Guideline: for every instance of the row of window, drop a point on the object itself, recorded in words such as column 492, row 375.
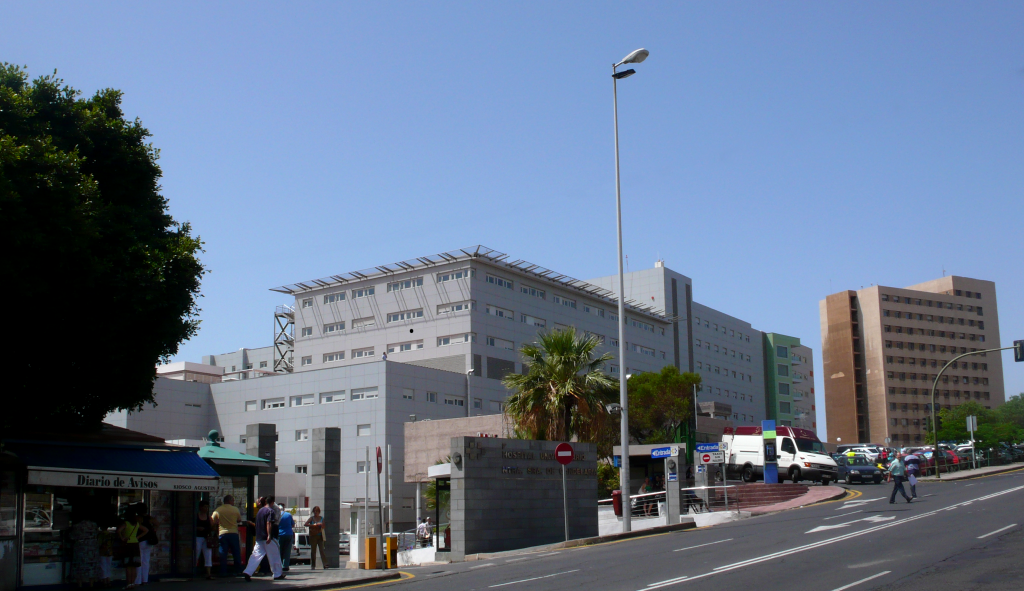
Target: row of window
column 935, row 363
column 724, row 330
column 943, row 393
column 725, row 371
column 927, row 347
column 364, row 292
column 913, row 407
column 310, row 399
column 723, row 350
column 933, row 333
column 937, row 319
column 903, row 376
column 919, row 302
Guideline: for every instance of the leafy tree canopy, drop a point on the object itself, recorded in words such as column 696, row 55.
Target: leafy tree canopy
column 564, row 391
column 659, row 402
column 102, row 282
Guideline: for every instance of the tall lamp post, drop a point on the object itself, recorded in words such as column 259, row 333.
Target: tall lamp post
column 634, row 58
column 1018, row 348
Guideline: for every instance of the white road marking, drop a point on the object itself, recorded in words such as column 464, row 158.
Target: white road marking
column 872, row 519
column 818, row 544
column 516, row 559
column 548, row 554
column 965, row 486
column 576, row 570
column 481, row 565
column 855, row 583
column 856, row 503
column 997, row 531
column 844, row 515
column 702, row 545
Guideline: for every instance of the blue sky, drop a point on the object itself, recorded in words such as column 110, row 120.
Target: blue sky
column 773, row 152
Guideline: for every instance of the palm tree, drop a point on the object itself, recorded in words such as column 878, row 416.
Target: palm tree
column 564, row 391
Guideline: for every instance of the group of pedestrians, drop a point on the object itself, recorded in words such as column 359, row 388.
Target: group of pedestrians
column 904, row 468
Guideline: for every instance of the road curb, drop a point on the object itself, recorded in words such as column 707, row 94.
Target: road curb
column 348, row 583
column 661, row 529
column 932, row 479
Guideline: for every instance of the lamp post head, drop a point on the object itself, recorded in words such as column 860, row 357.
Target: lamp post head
column 636, row 57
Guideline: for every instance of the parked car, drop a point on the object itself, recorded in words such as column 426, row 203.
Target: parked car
column 300, row 548
column 343, row 544
column 869, row 452
column 946, row 461
column 858, row 469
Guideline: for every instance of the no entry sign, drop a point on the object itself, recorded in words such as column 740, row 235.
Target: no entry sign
column 563, row 453
column 380, row 463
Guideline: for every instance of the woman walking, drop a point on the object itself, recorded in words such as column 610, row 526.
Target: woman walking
column 130, row 532
column 315, row 527
column 146, row 544
column 206, row 539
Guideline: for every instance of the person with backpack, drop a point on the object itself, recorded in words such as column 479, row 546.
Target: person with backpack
column 898, row 470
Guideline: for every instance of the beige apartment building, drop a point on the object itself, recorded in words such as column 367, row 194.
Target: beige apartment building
column 882, row 347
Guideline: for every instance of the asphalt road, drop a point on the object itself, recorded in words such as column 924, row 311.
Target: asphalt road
column 963, row 535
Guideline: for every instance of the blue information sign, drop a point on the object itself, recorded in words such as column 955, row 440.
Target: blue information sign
column 661, row 452
column 706, row 447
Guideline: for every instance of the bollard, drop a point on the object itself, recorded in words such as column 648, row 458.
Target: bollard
column 371, row 553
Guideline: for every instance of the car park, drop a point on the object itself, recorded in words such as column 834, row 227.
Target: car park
column 858, row 468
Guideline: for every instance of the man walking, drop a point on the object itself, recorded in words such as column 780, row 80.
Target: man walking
column 225, row 518
column 913, row 464
column 266, row 545
column 898, row 471
column 286, row 536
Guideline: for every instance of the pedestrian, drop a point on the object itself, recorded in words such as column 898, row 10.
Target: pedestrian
column 106, row 556
column 130, row 532
column 315, row 527
column 264, row 568
column 225, row 519
column 205, row 537
column 286, row 537
column 266, row 545
column 913, row 464
column 898, row 470
column 85, row 535
column 430, row 532
column 146, row 544
column 421, row 533
column 646, row 487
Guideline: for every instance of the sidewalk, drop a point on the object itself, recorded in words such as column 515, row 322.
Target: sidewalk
column 814, row 495
column 298, row 577
column 978, row 473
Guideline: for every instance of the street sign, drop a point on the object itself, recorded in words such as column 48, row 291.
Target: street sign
column 706, row 447
column 972, row 423
column 664, row 452
column 1018, row 350
column 563, row 454
column 712, row 457
column 380, row 463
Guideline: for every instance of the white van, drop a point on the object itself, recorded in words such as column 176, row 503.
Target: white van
column 800, row 454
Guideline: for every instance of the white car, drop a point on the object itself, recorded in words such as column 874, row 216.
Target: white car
column 869, row 452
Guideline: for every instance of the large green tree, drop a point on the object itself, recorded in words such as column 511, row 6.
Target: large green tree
column 101, row 282
column 659, row 403
column 563, row 393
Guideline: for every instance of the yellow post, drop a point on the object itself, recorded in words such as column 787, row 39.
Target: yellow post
column 392, row 551
column 371, row 553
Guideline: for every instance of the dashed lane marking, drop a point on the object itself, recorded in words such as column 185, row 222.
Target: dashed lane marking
column 855, row 583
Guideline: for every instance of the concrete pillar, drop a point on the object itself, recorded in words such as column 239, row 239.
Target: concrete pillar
column 261, row 441
column 326, row 476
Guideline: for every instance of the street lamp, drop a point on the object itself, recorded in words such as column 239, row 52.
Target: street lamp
column 634, row 58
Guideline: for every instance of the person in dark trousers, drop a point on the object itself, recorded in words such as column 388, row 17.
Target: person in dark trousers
column 286, row 536
column 225, row 519
column 898, row 470
column 913, row 464
column 146, row 544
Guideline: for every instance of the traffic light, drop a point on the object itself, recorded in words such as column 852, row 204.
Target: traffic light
column 1018, row 350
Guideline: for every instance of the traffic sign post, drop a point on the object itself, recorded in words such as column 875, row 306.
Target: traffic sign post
column 380, row 512
column 972, row 426
column 563, row 455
